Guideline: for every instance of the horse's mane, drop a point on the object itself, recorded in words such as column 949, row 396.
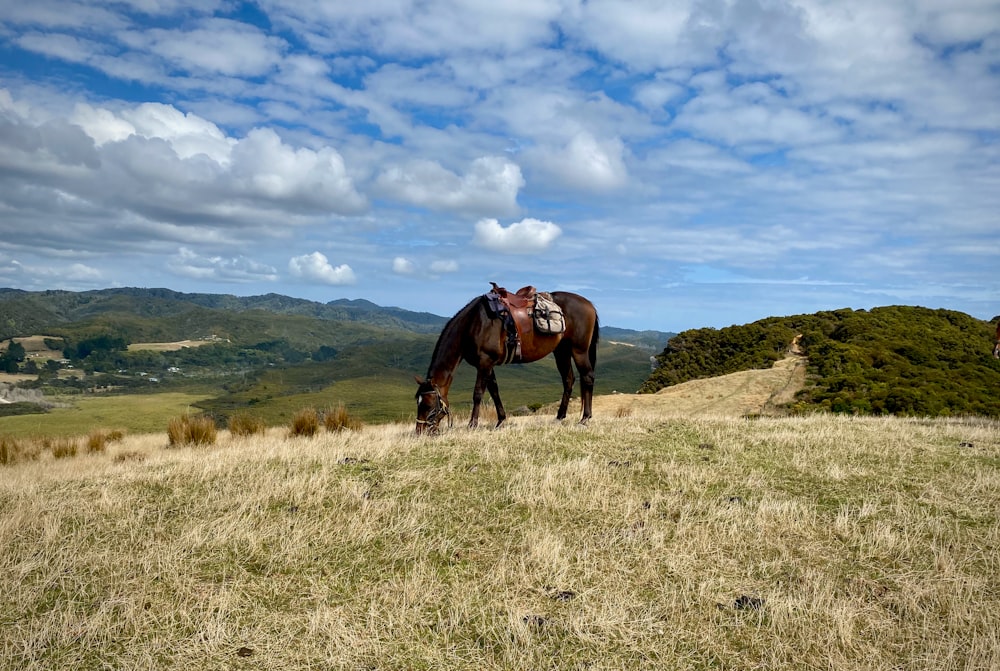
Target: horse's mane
column 452, row 333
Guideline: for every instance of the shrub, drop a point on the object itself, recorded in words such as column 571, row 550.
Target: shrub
column 338, row 419
column 245, row 424
column 305, row 423
column 188, row 430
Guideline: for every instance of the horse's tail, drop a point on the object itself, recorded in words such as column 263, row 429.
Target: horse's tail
column 593, row 342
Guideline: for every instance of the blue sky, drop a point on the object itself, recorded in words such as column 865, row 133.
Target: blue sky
column 682, row 164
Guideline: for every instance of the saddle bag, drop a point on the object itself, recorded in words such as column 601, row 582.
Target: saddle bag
column 548, row 316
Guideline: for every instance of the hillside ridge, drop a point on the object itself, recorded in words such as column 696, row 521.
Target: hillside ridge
column 900, row 360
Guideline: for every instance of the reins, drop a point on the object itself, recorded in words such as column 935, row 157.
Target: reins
column 435, row 415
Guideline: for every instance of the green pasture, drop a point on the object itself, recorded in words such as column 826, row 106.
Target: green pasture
column 375, row 383
column 79, row 415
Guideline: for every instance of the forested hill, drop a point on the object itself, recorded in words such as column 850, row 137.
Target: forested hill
column 890, row 360
column 32, row 311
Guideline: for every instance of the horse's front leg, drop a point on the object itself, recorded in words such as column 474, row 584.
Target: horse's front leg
column 494, row 389
column 477, row 395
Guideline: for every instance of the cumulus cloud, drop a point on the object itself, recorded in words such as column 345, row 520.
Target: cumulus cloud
column 528, row 236
column 316, row 267
column 265, row 167
column 490, row 185
column 403, row 266
column 154, row 170
column 188, row 263
column 586, row 163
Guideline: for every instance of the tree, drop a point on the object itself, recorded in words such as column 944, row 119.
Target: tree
column 15, row 351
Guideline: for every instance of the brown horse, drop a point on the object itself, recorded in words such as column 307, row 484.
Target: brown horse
column 476, row 334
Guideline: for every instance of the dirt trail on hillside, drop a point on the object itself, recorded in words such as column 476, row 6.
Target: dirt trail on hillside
column 750, row 392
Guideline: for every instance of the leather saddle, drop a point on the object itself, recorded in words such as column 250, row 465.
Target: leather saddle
column 515, row 310
column 522, row 298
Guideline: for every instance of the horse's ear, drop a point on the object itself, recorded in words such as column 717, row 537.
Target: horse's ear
column 419, row 380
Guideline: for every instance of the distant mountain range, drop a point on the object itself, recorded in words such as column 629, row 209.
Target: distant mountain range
column 30, row 312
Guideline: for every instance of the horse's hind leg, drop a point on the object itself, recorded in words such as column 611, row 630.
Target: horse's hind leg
column 586, row 368
column 564, row 363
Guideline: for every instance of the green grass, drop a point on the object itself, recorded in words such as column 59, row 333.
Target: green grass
column 635, row 543
column 135, row 413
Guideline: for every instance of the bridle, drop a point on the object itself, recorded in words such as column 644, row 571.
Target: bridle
column 437, row 413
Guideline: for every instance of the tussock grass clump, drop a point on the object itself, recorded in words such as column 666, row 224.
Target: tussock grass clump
column 623, row 411
column 191, row 430
column 98, row 440
column 63, row 448
column 305, row 423
column 245, row 424
column 13, row 450
column 338, row 418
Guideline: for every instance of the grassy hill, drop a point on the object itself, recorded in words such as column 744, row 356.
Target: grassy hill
column 891, row 360
column 637, row 543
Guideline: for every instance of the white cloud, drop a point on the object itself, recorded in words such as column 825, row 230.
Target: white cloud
column 165, row 165
column 489, row 187
column 406, row 267
column 421, row 28
column 528, row 236
column 585, row 163
column 65, row 47
column 752, row 113
column 444, row 266
column 50, row 275
column 403, row 266
column 188, row 134
column 101, row 125
column 188, row 263
column 655, row 94
column 217, row 46
column 316, row 267
column 263, row 166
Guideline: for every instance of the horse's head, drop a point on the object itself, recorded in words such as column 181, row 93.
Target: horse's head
column 432, row 407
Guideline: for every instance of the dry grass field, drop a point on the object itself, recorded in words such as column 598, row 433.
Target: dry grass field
column 644, row 541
